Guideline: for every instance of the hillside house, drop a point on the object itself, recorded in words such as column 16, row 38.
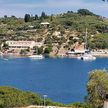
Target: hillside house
column 23, row 44
column 45, row 24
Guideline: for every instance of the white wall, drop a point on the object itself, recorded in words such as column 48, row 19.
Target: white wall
column 105, row 104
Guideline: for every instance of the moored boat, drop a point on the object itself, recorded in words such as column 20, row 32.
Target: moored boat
column 36, row 56
column 87, row 57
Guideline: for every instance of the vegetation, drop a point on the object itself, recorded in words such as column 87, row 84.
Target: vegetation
column 85, row 12
column 48, row 50
column 24, row 51
column 5, row 46
column 27, row 18
column 97, row 88
column 11, row 97
column 68, row 25
column 100, row 41
column 105, row 0
column 38, row 50
column 43, row 15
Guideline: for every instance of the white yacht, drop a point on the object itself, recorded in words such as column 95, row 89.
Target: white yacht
column 36, row 56
column 87, row 57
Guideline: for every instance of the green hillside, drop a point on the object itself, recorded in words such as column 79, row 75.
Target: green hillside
column 69, row 25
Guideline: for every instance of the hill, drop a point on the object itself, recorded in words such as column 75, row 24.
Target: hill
column 62, row 33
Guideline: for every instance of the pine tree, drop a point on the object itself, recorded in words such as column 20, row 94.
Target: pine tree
column 27, row 18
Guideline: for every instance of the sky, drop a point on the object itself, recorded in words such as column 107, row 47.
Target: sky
column 20, row 7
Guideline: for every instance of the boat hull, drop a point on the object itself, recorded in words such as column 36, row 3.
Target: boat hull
column 87, row 57
column 36, row 57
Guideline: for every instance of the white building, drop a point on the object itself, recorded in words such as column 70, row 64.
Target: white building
column 23, row 44
column 45, row 23
column 77, row 52
column 105, row 104
column 106, row 101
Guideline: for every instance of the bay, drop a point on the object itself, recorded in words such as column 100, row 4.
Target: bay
column 62, row 80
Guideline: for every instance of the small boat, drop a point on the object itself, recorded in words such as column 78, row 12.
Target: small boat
column 36, row 56
column 5, row 59
column 87, row 57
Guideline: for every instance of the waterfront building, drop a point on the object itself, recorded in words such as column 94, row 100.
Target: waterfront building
column 23, row 44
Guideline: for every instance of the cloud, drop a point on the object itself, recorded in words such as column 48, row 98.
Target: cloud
column 52, row 4
column 19, row 7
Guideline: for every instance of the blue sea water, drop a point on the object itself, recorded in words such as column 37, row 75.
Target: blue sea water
column 62, row 80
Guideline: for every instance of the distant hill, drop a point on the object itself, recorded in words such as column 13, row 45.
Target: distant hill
column 64, row 29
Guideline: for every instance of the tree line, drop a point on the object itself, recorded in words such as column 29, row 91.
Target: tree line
column 28, row 17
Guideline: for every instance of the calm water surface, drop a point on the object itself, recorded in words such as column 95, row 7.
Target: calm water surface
column 63, row 80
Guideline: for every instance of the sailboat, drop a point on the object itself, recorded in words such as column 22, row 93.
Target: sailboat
column 87, row 56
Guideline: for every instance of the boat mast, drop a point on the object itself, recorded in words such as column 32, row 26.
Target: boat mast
column 86, row 39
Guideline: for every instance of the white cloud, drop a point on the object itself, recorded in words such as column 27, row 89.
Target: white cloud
column 52, row 4
column 22, row 8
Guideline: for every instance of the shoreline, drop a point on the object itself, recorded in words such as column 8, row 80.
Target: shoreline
column 97, row 55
